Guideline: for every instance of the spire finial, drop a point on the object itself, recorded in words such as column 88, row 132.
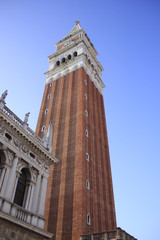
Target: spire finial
column 77, row 22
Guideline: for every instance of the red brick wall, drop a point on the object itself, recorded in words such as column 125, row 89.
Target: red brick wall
column 68, row 200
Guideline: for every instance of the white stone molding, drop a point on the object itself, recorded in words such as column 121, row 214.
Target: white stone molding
column 78, row 62
column 27, row 136
column 3, row 179
column 86, row 58
column 36, row 193
column 29, row 196
column 11, row 179
column 2, row 175
column 42, row 196
column 10, row 157
column 15, row 185
column 21, row 148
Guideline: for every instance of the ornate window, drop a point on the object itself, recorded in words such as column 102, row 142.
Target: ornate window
column 21, row 189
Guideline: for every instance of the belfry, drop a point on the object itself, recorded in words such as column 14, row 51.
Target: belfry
column 80, row 193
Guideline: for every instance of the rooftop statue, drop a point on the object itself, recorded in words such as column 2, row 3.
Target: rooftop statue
column 26, row 117
column 4, row 95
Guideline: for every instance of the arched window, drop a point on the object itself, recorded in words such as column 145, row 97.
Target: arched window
column 2, row 169
column 21, row 187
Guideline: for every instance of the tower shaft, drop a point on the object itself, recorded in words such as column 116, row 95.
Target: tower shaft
column 80, row 193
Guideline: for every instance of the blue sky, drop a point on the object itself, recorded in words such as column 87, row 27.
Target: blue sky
column 126, row 34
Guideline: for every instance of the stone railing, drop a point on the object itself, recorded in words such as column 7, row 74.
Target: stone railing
column 20, row 123
column 20, row 213
column 117, row 234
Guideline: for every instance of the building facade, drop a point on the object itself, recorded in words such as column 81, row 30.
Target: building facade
column 80, row 193
column 24, row 170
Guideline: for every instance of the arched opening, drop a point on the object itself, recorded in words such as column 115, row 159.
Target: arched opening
column 2, row 168
column 21, row 187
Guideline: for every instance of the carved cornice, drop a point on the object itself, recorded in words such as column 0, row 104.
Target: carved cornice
column 24, row 145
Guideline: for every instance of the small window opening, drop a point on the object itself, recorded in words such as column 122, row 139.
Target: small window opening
column 86, row 133
column 86, row 113
column 88, row 219
column 87, row 156
column 43, row 128
column 8, row 136
column 58, row 63
column 32, row 155
column 63, row 60
column 75, row 54
column 85, row 95
column 87, row 185
column 85, row 82
column 50, row 84
column 49, row 96
column 69, row 56
column 46, row 111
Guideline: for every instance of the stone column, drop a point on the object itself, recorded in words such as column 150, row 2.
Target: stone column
column 15, row 185
column 42, row 196
column 36, row 193
column 5, row 179
column 9, row 187
column 11, row 180
column 31, row 196
column 28, row 195
column 2, row 177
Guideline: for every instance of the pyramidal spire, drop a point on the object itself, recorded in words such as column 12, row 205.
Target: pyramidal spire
column 74, row 29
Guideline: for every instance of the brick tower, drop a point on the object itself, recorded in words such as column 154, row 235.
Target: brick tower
column 80, row 193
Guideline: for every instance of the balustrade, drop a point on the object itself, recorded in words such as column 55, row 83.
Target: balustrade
column 20, row 123
column 22, row 214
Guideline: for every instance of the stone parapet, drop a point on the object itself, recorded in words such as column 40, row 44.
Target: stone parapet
column 117, row 234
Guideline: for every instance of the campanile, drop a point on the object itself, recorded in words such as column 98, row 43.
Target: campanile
column 80, row 193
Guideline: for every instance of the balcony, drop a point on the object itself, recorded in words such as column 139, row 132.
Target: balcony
column 19, row 213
